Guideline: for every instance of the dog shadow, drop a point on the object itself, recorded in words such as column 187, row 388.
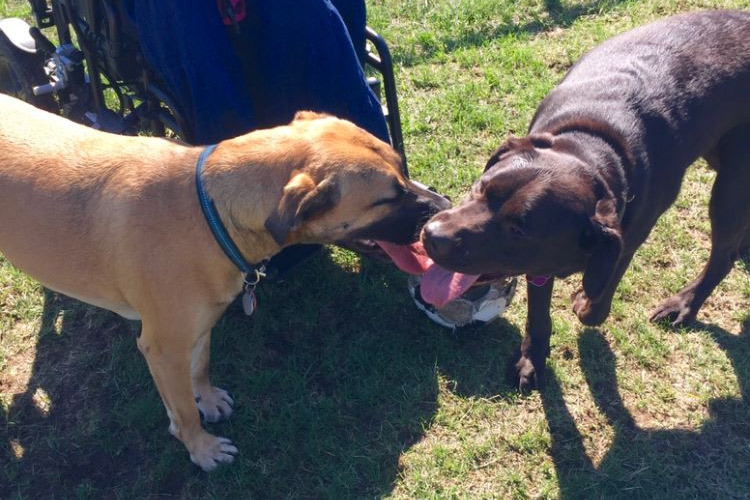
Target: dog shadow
column 61, row 399
column 744, row 260
column 334, row 377
column 642, row 463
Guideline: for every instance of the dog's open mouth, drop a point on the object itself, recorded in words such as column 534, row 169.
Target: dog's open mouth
column 439, row 285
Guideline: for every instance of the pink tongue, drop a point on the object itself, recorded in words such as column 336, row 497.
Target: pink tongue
column 439, row 286
column 409, row 258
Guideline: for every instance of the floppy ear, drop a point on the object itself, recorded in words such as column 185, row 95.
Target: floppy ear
column 504, row 148
column 528, row 143
column 541, row 140
column 605, row 243
column 302, row 200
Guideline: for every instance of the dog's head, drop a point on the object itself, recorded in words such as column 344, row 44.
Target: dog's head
column 537, row 209
column 349, row 188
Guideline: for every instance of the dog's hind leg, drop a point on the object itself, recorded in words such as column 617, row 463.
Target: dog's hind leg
column 729, row 210
column 214, row 403
column 167, row 343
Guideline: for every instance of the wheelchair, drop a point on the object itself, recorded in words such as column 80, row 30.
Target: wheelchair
column 98, row 53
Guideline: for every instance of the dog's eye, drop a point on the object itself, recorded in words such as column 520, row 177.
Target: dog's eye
column 494, row 200
column 400, row 192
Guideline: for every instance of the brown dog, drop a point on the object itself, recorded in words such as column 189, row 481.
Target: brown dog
column 604, row 158
column 115, row 221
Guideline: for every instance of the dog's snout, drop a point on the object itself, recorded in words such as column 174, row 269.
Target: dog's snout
column 437, row 241
column 436, row 200
column 437, row 206
column 443, row 202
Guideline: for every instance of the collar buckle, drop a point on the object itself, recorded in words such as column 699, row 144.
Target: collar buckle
column 253, row 277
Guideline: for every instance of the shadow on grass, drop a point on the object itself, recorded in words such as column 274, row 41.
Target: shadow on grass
column 557, row 14
column 744, row 260
column 68, row 384
column 333, row 378
column 641, row 463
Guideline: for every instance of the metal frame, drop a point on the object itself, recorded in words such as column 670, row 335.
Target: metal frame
column 383, row 63
column 155, row 111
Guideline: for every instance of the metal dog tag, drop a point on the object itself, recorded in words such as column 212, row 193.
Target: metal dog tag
column 249, row 302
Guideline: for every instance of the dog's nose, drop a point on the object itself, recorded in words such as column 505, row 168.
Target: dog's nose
column 436, row 240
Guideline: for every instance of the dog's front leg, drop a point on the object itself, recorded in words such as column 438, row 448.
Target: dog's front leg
column 214, row 403
column 530, row 367
column 167, row 346
column 593, row 313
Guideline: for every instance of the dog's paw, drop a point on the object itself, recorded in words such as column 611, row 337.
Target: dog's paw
column 210, row 451
column 675, row 310
column 527, row 375
column 214, row 404
column 588, row 313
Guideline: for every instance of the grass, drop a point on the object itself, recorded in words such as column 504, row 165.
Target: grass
column 344, row 390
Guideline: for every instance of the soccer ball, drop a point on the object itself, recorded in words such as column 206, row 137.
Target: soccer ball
column 482, row 303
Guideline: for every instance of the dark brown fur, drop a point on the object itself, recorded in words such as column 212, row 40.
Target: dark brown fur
column 604, row 158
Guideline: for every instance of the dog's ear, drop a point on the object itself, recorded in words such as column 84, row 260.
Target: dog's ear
column 603, row 239
column 504, row 148
column 309, row 115
column 541, row 140
column 301, row 201
column 528, row 144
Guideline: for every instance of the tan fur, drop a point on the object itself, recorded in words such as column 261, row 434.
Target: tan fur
column 115, row 221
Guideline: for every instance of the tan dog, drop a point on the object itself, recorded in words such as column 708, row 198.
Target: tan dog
column 115, row 221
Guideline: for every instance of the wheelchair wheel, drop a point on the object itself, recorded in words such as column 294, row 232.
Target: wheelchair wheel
column 20, row 72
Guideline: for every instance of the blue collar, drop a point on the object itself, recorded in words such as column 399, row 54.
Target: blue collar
column 217, row 228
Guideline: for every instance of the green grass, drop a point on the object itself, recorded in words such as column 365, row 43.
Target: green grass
column 344, row 390
column 14, row 8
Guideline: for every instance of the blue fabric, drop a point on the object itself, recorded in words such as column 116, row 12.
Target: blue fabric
column 189, row 50
column 290, row 55
column 354, row 15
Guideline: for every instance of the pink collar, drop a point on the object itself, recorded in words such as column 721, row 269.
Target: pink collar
column 538, row 281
